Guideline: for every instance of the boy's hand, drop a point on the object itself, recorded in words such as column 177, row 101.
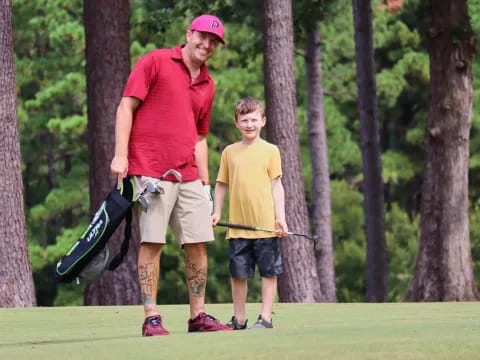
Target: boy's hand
column 281, row 227
column 215, row 219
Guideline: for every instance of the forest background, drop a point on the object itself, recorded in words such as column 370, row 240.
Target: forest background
column 49, row 45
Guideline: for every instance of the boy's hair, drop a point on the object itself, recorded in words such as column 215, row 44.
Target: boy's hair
column 248, row 105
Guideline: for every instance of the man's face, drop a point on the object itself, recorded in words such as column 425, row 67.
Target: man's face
column 250, row 125
column 201, row 46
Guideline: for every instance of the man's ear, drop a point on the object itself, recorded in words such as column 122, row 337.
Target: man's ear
column 188, row 35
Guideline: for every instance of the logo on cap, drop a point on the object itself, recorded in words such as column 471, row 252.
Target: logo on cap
column 214, row 24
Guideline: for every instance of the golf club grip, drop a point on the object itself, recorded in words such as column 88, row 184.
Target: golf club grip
column 236, row 226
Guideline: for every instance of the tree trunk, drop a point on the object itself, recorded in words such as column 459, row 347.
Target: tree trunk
column 108, row 67
column 299, row 282
column 322, row 220
column 16, row 281
column 444, row 270
column 370, row 145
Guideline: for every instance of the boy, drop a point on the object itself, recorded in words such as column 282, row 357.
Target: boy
column 251, row 170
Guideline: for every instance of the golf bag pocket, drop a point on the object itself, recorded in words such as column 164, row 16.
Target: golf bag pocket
column 80, row 257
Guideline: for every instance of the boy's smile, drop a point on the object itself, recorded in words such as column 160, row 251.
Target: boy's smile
column 250, row 125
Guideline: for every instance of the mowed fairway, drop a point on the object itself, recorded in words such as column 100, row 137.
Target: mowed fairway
column 303, row 331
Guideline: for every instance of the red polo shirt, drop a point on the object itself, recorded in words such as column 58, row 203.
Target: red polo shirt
column 173, row 113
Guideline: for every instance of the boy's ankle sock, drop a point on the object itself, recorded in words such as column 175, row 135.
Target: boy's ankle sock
column 267, row 319
column 240, row 322
column 236, row 325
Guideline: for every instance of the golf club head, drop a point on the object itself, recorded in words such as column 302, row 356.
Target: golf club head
column 144, row 202
column 154, row 189
column 96, row 266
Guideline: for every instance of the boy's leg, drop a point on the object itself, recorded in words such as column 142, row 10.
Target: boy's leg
column 242, row 266
column 148, row 274
column 239, row 296
column 196, row 276
column 269, row 261
column 269, row 290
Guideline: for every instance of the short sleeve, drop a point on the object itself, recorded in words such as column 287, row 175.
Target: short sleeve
column 141, row 78
column 223, row 170
column 275, row 164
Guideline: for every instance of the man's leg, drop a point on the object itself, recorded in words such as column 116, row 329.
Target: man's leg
column 148, row 273
column 239, row 296
column 192, row 227
column 196, row 275
column 269, row 290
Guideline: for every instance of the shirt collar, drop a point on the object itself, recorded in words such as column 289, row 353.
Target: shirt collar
column 177, row 55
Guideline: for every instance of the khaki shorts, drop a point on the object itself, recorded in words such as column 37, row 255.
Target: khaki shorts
column 183, row 206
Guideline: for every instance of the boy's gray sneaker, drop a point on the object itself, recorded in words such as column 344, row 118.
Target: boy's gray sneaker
column 261, row 323
column 234, row 324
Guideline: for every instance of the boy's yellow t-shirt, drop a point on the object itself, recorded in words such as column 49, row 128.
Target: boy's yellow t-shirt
column 249, row 171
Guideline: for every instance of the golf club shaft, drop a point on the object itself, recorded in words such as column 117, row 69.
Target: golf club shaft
column 253, row 228
column 243, row 227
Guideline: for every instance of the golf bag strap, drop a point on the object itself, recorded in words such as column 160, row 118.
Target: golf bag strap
column 118, row 259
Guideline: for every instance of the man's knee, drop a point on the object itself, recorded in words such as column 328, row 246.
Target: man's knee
column 197, row 249
column 150, row 250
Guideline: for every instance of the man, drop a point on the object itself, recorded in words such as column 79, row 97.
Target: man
column 161, row 124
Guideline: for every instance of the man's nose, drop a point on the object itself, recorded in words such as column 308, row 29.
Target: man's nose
column 207, row 42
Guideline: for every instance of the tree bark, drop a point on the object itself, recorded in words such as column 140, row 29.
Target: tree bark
column 16, row 281
column 299, row 282
column 444, row 270
column 370, row 145
column 322, row 219
column 108, row 67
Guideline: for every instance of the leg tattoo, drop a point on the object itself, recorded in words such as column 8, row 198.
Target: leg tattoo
column 196, row 279
column 147, row 276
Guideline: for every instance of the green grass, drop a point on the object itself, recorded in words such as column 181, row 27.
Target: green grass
column 303, row 331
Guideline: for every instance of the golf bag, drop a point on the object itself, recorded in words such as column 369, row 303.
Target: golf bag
column 88, row 256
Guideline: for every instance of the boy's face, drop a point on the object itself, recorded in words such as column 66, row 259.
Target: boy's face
column 250, row 125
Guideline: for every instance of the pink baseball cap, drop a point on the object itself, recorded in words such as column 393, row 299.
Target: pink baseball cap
column 210, row 24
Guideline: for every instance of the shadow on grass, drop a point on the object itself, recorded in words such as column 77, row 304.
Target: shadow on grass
column 65, row 341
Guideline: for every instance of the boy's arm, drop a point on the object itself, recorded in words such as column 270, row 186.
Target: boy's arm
column 220, row 192
column 279, row 205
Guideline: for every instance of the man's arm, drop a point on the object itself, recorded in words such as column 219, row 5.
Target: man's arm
column 123, row 127
column 201, row 159
column 220, row 192
column 278, row 194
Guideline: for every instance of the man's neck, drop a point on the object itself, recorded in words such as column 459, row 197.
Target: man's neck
column 193, row 67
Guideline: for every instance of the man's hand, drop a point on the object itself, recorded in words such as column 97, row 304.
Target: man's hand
column 208, row 194
column 119, row 169
column 281, row 227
